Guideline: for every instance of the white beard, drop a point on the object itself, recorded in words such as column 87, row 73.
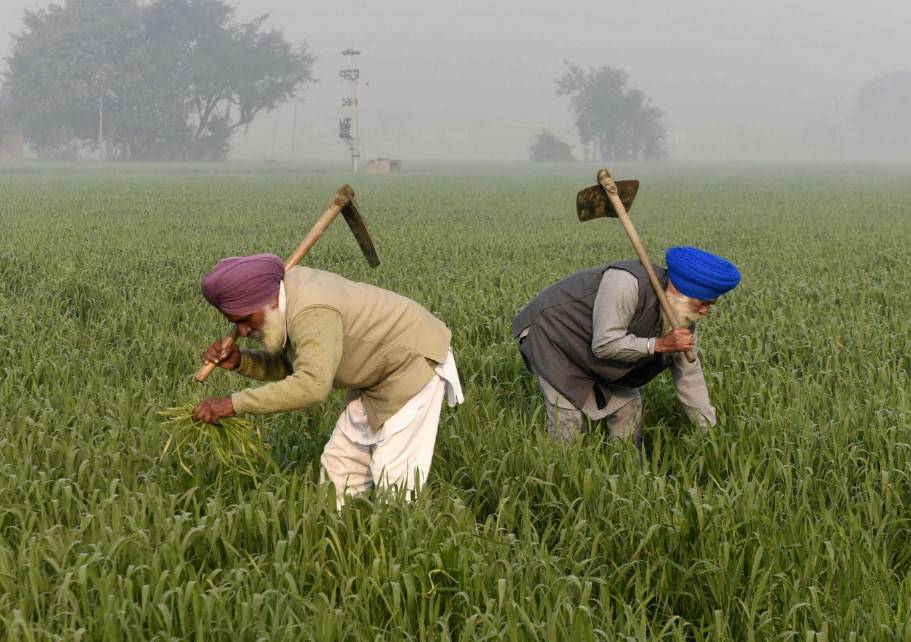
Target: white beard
column 681, row 309
column 272, row 336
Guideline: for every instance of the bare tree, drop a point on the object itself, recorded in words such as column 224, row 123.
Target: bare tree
column 169, row 79
column 617, row 121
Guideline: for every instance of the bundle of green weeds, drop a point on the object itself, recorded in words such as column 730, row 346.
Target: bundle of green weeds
column 235, row 444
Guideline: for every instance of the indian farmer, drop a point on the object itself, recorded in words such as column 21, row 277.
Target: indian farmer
column 318, row 331
column 594, row 338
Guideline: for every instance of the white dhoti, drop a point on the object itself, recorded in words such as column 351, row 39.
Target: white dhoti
column 399, row 454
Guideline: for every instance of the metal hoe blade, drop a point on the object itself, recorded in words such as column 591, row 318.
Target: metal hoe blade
column 359, row 228
column 592, row 202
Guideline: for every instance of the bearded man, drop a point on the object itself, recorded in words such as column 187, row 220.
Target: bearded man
column 594, row 338
column 320, row 331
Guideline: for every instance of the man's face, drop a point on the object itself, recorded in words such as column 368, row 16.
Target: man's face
column 700, row 307
column 688, row 310
column 266, row 325
column 250, row 324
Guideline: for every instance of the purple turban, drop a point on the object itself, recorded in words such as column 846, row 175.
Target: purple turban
column 243, row 284
column 699, row 274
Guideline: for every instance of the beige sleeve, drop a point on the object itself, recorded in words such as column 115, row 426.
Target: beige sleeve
column 316, row 334
column 256, row 364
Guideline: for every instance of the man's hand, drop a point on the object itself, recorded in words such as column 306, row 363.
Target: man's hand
column 677, row 340
column 212, row 409
column 229, row 361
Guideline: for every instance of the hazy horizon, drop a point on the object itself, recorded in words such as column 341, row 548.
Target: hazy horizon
column 473, row 80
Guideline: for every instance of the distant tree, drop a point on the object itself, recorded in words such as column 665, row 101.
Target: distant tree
column 5, row 122
column 547, row 148
column 10, row 141
column 823, row 138
column 616, row 120
column 169, row 79
column 882, row 114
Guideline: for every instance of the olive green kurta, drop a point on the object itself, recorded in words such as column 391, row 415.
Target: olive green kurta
column 343, row 334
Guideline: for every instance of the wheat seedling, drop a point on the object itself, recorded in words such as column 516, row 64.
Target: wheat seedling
column 235, row 443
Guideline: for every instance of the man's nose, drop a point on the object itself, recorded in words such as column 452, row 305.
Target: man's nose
column 243, row 329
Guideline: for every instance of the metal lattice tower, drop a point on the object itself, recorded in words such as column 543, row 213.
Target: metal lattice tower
column 347, row 127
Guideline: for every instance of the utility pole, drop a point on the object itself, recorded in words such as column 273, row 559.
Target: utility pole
column 274, row 139
column 100, row 120
column 347, row 127
column 293, row 131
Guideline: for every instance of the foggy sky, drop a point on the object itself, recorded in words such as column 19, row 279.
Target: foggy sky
column 474, row 79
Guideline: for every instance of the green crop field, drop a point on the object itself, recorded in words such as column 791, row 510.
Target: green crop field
column 790, row 521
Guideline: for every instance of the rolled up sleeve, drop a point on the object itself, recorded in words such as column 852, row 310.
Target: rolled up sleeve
column 613, row 310
column 317, row 335
column 692, row 391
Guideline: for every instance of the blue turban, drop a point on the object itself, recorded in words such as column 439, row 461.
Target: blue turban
column 699, row 274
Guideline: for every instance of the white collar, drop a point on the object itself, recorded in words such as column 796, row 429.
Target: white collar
column 283, row 308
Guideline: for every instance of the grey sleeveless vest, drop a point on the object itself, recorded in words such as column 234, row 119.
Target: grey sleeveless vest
column 559, row 342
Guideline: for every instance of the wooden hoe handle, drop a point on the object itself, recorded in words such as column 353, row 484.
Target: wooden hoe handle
column 605, row 180
column 341, row 199
column 227, row 343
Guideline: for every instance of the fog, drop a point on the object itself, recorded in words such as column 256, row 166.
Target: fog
column 475, row 79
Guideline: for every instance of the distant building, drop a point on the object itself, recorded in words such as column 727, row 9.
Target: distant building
column 383, row 165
